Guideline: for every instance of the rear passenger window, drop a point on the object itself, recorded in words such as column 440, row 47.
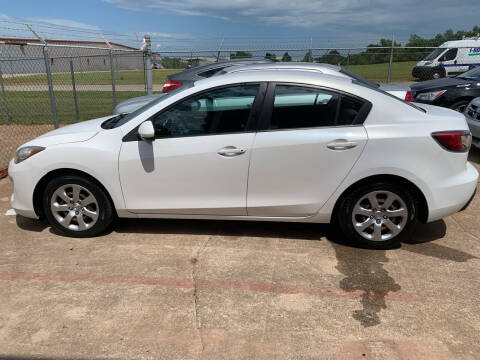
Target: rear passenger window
column 304, row 107
column 349, row 109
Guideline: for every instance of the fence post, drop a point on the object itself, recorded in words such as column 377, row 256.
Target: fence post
column 148, row 62
column 220, row 49
column 4, row 96
column 50, row 86
column 72, row 73
column 391, row 60
column 112, row 75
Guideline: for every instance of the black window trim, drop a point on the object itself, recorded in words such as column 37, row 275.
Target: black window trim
column 266, row 117
column 253, row 118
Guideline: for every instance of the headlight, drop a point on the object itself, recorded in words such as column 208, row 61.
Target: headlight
column 25, row 152
column 430, row 96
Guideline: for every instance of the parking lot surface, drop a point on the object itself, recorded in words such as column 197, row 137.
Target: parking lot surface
column 171, row 289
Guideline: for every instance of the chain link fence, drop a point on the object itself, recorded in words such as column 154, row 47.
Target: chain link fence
column 43, row 87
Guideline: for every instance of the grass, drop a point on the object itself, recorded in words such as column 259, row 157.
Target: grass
column 33, row 107
column 401, row 71
column 125, row 77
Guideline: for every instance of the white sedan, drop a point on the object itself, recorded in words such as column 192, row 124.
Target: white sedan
column 263, row 145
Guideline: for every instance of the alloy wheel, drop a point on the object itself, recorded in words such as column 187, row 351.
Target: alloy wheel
column 379, row 216
column 74, row 207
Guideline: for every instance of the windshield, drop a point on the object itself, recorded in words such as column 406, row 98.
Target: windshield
column 473, row 74
column 434, row 54
column 147, row 106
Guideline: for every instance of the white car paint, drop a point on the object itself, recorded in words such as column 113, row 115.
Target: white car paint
column 286, row 175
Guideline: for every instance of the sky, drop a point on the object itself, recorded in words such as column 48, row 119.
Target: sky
column 201, row 24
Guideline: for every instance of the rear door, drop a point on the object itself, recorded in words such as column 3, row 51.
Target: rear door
column 309, row 140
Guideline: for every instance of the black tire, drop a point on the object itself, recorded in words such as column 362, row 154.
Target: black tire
column 103, row 206
column 460, row 106
column 345, row 222
column 437, row 74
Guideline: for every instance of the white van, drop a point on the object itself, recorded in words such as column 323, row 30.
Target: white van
column 451, row 58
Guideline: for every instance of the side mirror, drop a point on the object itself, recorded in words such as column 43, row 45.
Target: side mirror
column 146, row 131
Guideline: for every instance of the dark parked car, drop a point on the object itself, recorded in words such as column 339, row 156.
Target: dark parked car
column 186, row 78
column 454, row 93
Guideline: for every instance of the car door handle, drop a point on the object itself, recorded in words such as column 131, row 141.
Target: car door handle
column 341, row 145
column 229, row 151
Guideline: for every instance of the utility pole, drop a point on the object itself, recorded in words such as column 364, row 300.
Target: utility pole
column 147, row 50
column 391, row 59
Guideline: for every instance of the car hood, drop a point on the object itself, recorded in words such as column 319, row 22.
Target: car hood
column 130, row 105
column 438, row 84
column 81, row 131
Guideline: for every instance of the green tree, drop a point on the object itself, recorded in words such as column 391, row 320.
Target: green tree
column 241, row 55
column 270, row 56
column 286, row 57
column 308, row 56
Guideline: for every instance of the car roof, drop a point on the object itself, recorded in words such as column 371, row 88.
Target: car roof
column 299, row 76
column 285, row 66
column 194, row 71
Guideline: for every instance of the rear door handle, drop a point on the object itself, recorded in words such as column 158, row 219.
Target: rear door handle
column 341, row 145
column 230, row 151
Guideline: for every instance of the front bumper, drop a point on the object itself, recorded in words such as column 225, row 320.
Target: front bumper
column 474, row 126
column 24, row 179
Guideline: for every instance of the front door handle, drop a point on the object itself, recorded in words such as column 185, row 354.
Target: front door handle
column 230, row 151
column 341, row 145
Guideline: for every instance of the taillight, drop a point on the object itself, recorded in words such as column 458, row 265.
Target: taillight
column 456, row 141
column 170, row 85
column 409, row 96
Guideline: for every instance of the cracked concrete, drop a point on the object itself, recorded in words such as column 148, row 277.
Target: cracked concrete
column 174, row 289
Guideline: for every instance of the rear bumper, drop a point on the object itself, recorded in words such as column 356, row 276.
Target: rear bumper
column 454, row 194
column 469, row 201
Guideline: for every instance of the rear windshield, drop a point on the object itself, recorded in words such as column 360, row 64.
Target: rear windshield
column 359, row 78
column 391, row 96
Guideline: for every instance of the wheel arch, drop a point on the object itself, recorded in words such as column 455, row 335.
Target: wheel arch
column 42, row 183
column 414, row 190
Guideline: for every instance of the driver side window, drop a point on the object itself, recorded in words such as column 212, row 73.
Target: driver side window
column 219, row 111
column 450, row 55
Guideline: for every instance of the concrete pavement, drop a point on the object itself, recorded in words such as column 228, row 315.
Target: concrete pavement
column 174, row 289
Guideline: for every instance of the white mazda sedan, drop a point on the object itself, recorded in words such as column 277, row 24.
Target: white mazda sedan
column 263, row 145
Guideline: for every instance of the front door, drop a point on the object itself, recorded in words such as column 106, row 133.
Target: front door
column 198, row 162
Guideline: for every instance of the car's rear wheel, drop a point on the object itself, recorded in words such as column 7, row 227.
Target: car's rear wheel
column 378, row 215
column 77, row 206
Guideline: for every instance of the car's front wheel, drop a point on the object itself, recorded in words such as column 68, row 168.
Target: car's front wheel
column 460, row 106
column 378, row 215
column 77, row 206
